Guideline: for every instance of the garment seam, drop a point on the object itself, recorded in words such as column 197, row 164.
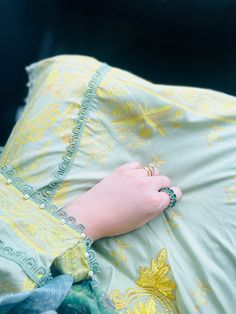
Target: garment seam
column 23, row 258
column 44, row 198
column 77, row 131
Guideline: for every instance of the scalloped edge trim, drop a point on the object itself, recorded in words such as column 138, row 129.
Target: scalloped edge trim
column 10, row 174
column 43, row 198
column 28, row 264
column 45, row 195
column 72, row 148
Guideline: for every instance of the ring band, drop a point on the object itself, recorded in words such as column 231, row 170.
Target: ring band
column 172, row 195
column 150, row 169
column 153, row 168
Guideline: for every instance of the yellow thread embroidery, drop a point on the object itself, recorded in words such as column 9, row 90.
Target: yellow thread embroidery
column 63, row 130
column 231, row 190
column 175, row 117
column 29, row 130
column 73, row 262
column 157, row 161
column 120, row 255
column 200, row 296
column 33, row 166
column 153, row 281
column 91, row 143
column 134, row 141
column 188, row 107
column 126, row 107
column 145, row 308
column 147, row 115
column 214, row 135
column 28, row 284
column 171, row 220
column 39, row 229
column 60, row 196
column 110, row 92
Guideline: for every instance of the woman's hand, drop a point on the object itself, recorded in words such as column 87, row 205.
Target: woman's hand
column 123, row 201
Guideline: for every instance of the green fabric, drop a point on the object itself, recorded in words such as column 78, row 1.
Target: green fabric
column 188, row 133
column 86, row 297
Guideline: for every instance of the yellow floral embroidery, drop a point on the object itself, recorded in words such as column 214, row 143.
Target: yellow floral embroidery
column 171, row 220
column 203, row 105
column 231, row 190
column 112, row 91
column 153, row 281
column 91, row 142
column 28, row 284
column 145, row 308
column 39, row 229
column 175, row 118
column 214, row 135
column 155, row 278
column 200, row 295
column 136, row 140
column 33, row 166
column 145, row 115
column 157, row 161
column 126, row 106
column 28, row 130
column 61, row 194
column 119, row 255
column 140, row 118
column 63, row 130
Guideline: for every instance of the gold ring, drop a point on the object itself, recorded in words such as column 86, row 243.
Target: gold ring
column 149, row 171
column 153, row 168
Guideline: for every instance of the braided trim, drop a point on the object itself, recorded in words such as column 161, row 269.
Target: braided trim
column 72, row 148
column 11, row 178
column 37, row 273
column 44, row 197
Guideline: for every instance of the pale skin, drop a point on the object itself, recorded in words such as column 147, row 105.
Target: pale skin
column 123, row 201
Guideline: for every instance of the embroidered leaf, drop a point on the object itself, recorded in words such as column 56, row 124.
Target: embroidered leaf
column 156, row 277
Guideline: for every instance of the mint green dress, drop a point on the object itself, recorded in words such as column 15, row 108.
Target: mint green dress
column 83, row 119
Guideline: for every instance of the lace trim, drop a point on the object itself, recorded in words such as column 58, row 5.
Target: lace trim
column 93, row 264
column 72, row 148
column 29, row 264
column 10, row 174
column 44, row 197
column 11, row 178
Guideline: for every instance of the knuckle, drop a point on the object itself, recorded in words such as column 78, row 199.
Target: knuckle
column 128, row 166
column 120, row 170
column 135, row 164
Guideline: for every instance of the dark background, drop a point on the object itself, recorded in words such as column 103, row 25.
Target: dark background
column 180, row 42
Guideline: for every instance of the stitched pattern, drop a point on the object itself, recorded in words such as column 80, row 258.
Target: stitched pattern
column 155, row 282
column 72, row 148
column 29, row 264
column 44, row 197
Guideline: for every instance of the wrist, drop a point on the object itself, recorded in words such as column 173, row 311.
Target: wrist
column 81, row 212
